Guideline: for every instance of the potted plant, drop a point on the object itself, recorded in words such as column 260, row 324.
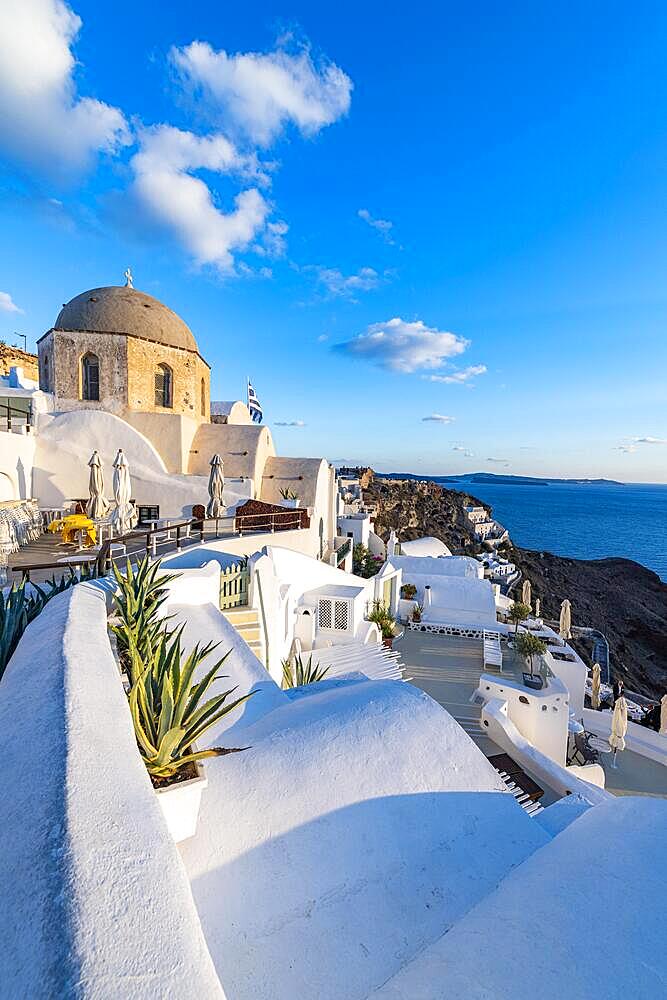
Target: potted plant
column 383, row 618
column 290, row 498
column 516, row 613
column 528, row 646
column 408, row 591
column 170, row 712
column 417, row 612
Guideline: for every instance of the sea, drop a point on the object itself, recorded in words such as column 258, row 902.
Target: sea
column 585, row 521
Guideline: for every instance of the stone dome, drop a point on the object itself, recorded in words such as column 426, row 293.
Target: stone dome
column 120, row 309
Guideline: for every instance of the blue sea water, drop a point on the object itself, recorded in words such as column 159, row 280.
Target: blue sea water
column 583, row 521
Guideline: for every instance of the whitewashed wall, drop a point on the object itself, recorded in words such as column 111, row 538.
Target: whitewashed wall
column 17, row 453
column 95, row 900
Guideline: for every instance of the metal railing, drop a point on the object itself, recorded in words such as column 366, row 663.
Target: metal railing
column 288, row 520
column 11, row 416
column 343, row 549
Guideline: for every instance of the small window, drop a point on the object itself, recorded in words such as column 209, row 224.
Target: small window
column 203, row 398
column 164, row 388
column 45, row 372
column 90, row 378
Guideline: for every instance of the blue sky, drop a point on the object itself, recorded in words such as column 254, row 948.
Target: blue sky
column 505, row 278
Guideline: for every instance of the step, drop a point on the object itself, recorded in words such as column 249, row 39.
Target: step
column 241, row 616
column 249, row 632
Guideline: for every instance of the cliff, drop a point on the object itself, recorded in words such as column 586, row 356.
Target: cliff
column 626, row 601
column 14, row 356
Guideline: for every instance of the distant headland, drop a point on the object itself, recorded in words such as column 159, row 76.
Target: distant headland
column 490, row 477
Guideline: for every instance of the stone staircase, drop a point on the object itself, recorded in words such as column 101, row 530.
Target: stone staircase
column 246, row 622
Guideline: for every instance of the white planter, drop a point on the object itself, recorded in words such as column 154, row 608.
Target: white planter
column 180, row 804
column 290, row 503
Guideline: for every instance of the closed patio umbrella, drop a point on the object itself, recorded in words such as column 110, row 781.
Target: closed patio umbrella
column 537, row 608
column 97, row 505
column 526, row 595
column 124, row 516
column 663, row 715
column 595, row 687
column 216, row 484
column 565, row 620
column 619, row 727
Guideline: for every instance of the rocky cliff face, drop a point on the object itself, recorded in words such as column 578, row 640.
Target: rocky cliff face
column 10, row 356
column 626, row 601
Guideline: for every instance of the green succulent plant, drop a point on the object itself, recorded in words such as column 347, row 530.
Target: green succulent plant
column 140, row 595
column 169, row 709
column 297, row 672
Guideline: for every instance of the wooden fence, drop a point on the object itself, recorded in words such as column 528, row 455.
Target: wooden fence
column 234, row 586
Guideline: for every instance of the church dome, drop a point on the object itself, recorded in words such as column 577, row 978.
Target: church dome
column 120, row 309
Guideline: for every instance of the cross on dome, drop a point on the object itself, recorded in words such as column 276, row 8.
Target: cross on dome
column 129, row 280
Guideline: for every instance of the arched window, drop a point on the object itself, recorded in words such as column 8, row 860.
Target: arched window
column 164, row 387
column 45, row 372
column 90, row 377
column 203, row 398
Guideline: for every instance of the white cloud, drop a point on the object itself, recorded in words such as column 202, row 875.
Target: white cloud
column 43, row 121
column 290, row 423
column 169, row 194
column 649, row 440
column 459, row 377
column 464, row 451
column 7, row 304
column 383, row 226
column 401, row 346
column 498, row 461
column 259, row 94
column 273, row 242
column 322, row 337
column 627, row 449
column 345, row 285
column 438, row 418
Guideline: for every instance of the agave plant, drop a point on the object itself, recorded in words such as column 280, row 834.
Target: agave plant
column 13, row 622
column 296, row 672
column 169, row 710
column 140, row 595
column 287, row 493
column 19, row 607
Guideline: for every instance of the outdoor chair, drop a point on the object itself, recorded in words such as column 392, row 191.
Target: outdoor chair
column 583, row 752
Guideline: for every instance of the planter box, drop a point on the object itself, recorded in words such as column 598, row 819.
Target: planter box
column 180, row 804
column 293, row 504
column 535, row 682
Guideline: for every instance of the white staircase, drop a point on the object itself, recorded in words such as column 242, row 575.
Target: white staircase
column 246, row 622
column 522, row 797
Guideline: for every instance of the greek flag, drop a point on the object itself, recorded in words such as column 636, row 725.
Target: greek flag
column 254, row 404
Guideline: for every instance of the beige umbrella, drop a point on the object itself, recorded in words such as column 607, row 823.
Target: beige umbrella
column 97, row 506
column 619, row 727
column 537, row 608
column 526, row 595
column 124, row 516
column 565, row 620
column 595, row 687
column 663, row 715
column 216, row 484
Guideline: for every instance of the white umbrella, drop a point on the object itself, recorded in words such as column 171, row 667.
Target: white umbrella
column 595, row 687
column 619, row 726
column 216, row 484
column 565, row 620
column 663, row 715
column 537, row 608
column 124, row 516
column 526, row 594
column 97, row 506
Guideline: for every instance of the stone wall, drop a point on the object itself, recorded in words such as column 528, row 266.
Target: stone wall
column 60, row 354
column 143, row 358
